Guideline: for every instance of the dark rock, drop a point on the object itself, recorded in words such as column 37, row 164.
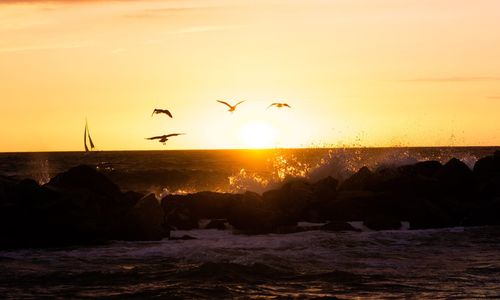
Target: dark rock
column 219, row 224
column 426, row 214
column 488, row 166
column 338, row 226
column 457, row 178
column 358, row 181
column 182, row 238
column 79, row 206
column 424, row 168
column 383, row 224
column 145, row 220
column 325, row 189
column 489, row 188
column 290, row 199
column 252, row 215
column 85, row 177
column 487, row 213
column 185, row 211
column 202, row 205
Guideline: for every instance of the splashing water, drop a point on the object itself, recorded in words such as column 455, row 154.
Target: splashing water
column 283, row 167
column 40, row 171
column 339, row 163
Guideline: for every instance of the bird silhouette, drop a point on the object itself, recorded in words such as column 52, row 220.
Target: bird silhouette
column 163, row 138
column 279, row 105
column 161, row 111
column 231, row 107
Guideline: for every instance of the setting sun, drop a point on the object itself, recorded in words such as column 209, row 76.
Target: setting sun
column 258, row 134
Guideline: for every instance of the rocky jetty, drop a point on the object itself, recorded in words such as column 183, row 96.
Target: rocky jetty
column 82, row 206
column 427, row 194
column 79, row 206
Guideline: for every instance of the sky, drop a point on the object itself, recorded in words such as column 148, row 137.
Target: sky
column 355, row 73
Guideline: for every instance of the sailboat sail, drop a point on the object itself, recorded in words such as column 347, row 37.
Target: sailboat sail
column 90, row 140
column 85, row 139
column 85, row 135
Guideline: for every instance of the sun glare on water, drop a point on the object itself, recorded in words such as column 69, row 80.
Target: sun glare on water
column 258, row 134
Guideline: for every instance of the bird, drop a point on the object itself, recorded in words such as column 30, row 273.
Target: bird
column 161, row 111
column 163, row 138
column 231, row 107
column 279, row 105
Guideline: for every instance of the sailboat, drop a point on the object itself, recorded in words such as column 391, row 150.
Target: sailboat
column 86, row 135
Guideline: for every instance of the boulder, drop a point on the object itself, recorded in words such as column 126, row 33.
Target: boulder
column 291, row 199
column 487, row 213
column 383, row 224
column 87, row 178
column 338, row 226
column 488, row 166
column 79, row 206
column 456, row 177
column 424, row 168
column 145, row 221
column 202, row 205
column 252, row 215
column 358, row 181
column 219, row 224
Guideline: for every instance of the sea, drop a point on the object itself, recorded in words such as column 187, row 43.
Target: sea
column 449, row 263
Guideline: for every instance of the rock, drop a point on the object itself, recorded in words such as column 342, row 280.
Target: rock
column 291, row 199
column 358, row 181
column 338, row 226
column 185, row 211
column 79, row 206
column 252, row 215
column 85, row 177
column 219, row 224
column 202, row 205
column 325, row 189
column 457, row 178
column 488, row 213
column 145, row 221
column 424, row 214
column 488, row 166
column 383, row 224
column 182, row 238
column 424, row 168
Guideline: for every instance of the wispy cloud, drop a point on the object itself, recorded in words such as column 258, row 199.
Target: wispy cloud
column 453, row 79
column 494, row 97
column 207, row 28
column 60, row 1
column 73, row 45
column 164, row 12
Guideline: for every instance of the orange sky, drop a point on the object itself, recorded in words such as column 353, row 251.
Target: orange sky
column 361, row 73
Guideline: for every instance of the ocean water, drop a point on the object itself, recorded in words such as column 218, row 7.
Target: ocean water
column 442, row 263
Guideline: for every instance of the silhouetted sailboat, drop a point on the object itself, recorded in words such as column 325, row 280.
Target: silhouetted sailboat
column 85, row 135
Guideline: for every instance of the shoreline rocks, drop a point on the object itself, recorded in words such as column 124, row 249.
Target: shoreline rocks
column 83, row 206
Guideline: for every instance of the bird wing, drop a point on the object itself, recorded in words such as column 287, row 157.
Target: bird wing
column 223, row 102
column 173, row 134
column 155, row 137
column 168, row 113
column 286, row 104
column 239, row 103
column 272, row 105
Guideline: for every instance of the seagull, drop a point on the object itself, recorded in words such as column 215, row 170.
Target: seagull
column 161, row 111
column 279, row 105
column 231, row 107
column 163, row 138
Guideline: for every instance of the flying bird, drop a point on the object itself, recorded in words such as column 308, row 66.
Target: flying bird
column 279, row 105
column 231, row 107
column 161, row 111
column 163, row 138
